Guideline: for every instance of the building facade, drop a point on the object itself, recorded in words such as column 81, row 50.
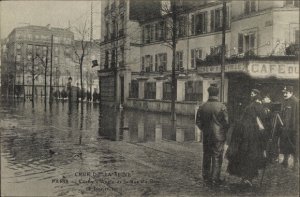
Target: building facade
column 28, row 53
column 257, row 33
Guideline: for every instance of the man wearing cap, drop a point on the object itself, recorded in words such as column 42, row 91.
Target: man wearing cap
column 289, row 138
column 212, row 119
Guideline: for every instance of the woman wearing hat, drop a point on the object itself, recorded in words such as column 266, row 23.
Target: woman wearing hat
column 246, row 149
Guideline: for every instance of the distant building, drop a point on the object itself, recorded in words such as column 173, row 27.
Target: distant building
column 29, row 45
column 137, row 61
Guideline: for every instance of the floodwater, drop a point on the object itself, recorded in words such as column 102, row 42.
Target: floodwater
column 42, row 147
column 84, row 150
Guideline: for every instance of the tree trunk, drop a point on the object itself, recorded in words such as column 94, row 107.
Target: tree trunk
column 174, row 39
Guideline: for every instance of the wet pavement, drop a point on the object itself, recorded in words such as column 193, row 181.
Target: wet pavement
column 74, row 150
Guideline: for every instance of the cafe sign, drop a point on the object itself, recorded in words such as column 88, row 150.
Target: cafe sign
column 284, row 71
column 258, row 69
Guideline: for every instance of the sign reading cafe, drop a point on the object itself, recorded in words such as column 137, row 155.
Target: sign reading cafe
column 285, row 71
column 258, row 69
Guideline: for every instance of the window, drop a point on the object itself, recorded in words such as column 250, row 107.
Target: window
column 216, row 50
column 200, row 23
column 292, row 3
column 167, row 91
column 122, row 21
column 297, row 36
column 147, row 34
column 196, row 54
column 178, row 60
column 193, row 91
column 246, row 43
column 134, row 89
column 44, row 50
column 56, row 60
column 147, row 63
column 218, row 20
column 160, row 31
column 250, row 6
column 106, row 63
column 18, row 58
column 150, row 90
column 113, row 59
column 114, row 29
column 152, row 33
column 181, row 26
column 106, row 31
column 161, row 62
column 55, row 39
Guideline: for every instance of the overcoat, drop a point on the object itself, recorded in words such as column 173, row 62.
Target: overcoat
column 245, row 151
column 289, row 138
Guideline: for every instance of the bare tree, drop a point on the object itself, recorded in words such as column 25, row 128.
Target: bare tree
column 81, row 48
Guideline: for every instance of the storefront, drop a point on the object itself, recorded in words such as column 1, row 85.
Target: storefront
column 268, row 76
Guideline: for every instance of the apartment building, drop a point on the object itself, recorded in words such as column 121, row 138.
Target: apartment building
column 258, row 34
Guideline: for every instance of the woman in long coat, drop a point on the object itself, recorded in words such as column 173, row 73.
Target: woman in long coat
column 246, row 149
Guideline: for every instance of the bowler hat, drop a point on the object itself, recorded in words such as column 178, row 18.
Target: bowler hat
column 288, row 89
column 213, row 90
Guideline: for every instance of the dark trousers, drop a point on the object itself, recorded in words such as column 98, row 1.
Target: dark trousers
column 212, row 159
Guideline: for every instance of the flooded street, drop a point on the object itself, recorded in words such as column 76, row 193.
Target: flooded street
column 82, row 150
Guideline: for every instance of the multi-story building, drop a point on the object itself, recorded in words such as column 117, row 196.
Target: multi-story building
column 26, row 51
column 257, row 37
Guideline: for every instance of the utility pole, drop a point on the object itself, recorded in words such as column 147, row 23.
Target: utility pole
column 174, row 40
column 32, row 73
column 15, row 76
column 223, row 51
column 51, row 62
column 46, row 68
column 24, row 77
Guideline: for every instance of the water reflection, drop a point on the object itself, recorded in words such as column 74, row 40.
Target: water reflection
column 142, row 127
column 40, row 143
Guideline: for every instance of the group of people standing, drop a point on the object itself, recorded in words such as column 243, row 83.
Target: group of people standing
column 258, row 136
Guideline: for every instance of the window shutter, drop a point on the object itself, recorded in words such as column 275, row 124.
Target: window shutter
column 151, row 63
column 205, row 22
column 143, row 63
column 156, row 63
column 212, row 20
column 227, row 17
column 240, row 43
column 252, row 41
column 193, row 25
column 192, row 58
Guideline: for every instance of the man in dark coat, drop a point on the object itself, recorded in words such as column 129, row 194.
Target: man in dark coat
column 212, row 120
column 289, row 138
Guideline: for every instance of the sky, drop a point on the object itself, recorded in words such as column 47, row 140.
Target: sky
column 57, row 13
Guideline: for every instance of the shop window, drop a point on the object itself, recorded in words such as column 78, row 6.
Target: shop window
column 196, row 54
column 250, row 6
column 167, row 91
column 134, row 89
column 179, row 60
column 193, row 91
column 150, row 90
